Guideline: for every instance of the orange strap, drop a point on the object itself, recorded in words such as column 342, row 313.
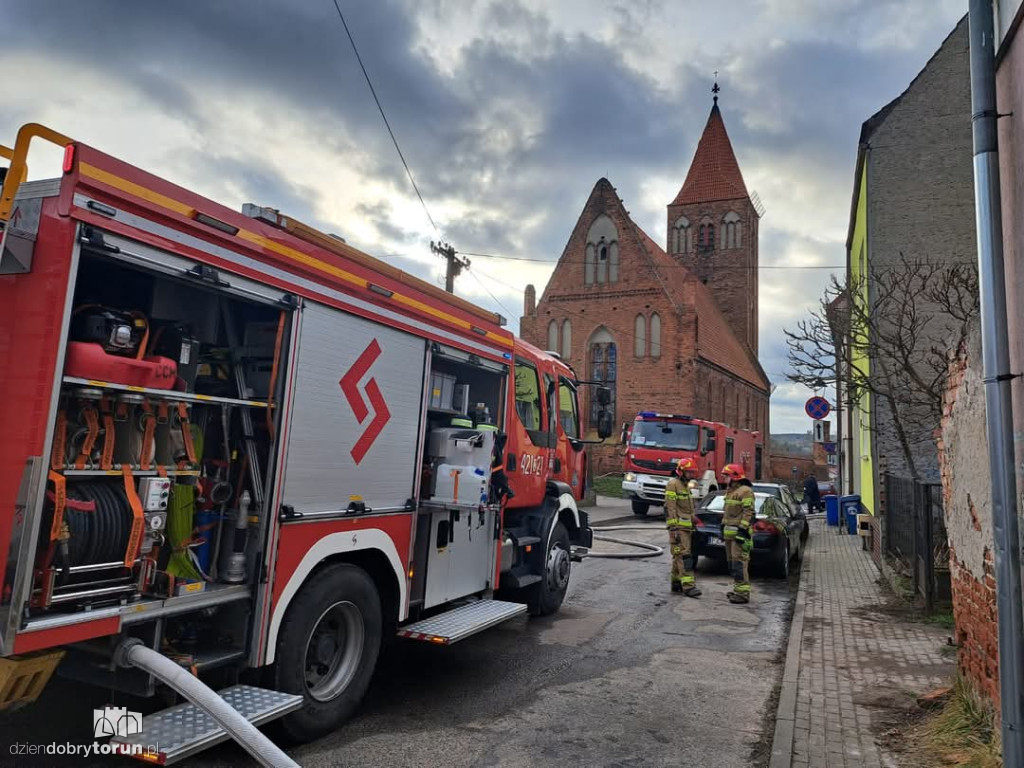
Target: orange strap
column 186, row 436
column 455, row 492
column 141, row 351
column 147, row 435
column 60, row 437
column 89, row 414
column 273, row 373
column 59, row 502
column 138, row 518
column 107, row 458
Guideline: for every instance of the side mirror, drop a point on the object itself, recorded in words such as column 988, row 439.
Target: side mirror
column 603, row 395
column 604, row 425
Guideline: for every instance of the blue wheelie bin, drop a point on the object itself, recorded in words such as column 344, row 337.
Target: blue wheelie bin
column 851, row 508
column 831, row 509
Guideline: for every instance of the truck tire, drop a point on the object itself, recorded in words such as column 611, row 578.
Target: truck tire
column 640, row 507
column 327, row 649
column 546, row 597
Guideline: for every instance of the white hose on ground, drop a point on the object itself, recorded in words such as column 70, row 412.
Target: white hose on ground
column 652, row 550
column 132, row 653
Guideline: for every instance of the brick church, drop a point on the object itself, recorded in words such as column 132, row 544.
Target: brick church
column 671, row 329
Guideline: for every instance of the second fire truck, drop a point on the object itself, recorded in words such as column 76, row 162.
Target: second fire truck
column 655, row 442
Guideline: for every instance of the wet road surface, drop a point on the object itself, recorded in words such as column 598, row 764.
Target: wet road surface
column 626, row 674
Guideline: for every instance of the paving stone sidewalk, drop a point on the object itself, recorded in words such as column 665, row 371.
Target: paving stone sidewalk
column 844, row 656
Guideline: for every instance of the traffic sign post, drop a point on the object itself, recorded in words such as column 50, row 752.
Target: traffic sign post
column 817, row 408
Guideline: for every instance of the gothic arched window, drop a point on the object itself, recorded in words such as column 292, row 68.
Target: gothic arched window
column 603, row 370
column 566, row 339
column 553, row 336
column 640, row 336
column 655, row 335
column 601, row 263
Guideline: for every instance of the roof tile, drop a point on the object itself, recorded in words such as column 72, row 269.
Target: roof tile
column 714, row 173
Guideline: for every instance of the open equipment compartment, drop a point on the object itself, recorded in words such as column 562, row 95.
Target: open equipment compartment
column 164, row 446
column 457, row 523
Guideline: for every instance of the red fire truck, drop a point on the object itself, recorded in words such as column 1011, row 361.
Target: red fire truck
column 654, row 442
column 237, row 441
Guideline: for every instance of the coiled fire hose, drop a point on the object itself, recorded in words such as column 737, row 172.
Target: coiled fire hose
column 650, row 550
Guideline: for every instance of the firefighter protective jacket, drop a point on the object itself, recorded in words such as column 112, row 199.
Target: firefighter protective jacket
column 739, row 510
column 678, row 506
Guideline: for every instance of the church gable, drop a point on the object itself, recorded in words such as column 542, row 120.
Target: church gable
column 605, row 256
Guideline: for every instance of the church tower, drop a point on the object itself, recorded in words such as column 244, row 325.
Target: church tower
column 712, row 228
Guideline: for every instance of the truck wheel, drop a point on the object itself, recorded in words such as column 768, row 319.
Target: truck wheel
column 327, row 649
column 546, row 597
column 640, row 507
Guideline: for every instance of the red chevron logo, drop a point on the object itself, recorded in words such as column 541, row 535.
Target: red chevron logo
column 350, row 386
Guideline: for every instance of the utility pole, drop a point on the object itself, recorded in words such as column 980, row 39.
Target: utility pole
column 454, row 264
column 995, row 350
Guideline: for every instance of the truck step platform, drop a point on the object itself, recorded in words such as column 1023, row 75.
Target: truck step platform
column 459, row 623
column 184, row 729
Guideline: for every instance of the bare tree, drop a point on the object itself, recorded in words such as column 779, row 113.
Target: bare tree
column 894, row 346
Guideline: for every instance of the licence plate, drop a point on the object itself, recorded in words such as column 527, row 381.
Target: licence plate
column 714, row 541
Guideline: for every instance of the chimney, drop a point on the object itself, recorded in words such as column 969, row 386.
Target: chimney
column 529, row 301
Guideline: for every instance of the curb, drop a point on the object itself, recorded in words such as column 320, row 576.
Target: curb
column 785, row 715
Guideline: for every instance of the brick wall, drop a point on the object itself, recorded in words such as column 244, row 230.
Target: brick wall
column 730, row 273
column 921, row 207
column 963, row 464
column 975, row 616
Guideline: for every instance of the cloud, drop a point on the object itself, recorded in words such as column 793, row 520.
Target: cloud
column 507, row 111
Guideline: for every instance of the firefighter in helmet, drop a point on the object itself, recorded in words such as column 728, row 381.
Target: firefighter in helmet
column 679, row 519
column 736, row 530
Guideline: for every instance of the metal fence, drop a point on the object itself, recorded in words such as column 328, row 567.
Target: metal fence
column 915, row 535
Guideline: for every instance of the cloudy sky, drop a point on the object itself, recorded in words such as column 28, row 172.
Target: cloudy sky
column 507, row 111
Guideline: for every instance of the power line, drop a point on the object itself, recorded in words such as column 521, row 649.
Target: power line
column 385, row 117
column 659, row 266
column 498, row 301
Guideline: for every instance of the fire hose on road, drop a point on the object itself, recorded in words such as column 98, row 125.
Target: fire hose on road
column 650, row 550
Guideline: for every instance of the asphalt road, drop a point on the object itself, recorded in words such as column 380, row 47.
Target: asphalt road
column 626, row 674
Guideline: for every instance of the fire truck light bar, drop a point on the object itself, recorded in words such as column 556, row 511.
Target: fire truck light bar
column 653, row 415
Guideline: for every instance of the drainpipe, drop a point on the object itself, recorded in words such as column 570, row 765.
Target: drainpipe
column 996, row 359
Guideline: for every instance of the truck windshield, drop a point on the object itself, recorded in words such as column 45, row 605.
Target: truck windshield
column 665, row 434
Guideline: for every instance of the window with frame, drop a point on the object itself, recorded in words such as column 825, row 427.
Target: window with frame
column 568, row 409
column 528, row 396
column 551, row 395
column 553, row 336
column 603, row 362
column 728, row 450
column 655, row 334
column 601, row 259
column 640, row 336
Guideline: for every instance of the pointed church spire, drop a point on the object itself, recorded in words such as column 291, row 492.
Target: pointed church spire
column 714, row 173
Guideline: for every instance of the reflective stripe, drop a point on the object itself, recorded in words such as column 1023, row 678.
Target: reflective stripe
column 744, row 523
column 681, row 522
column 687, row 580
column 748, row 502
column 671, row 495
column 741, row 589
column 730, row 531
column 732, row 501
